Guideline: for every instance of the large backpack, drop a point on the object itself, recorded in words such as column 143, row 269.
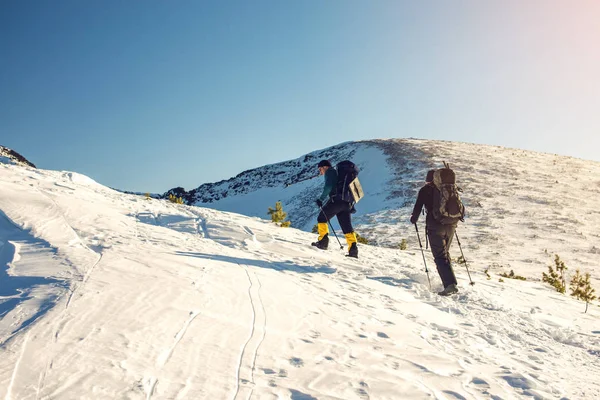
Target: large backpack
column 348, row 186
column 447, row 207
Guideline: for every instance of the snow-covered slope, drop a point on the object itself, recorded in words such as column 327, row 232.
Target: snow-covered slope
column 105, row 295
column 523, row 206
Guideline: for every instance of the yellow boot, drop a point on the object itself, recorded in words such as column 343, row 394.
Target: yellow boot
column 323, row 241
column 352, row 247
column 323, row 229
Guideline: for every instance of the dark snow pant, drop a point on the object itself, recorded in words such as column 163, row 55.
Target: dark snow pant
column 440, row 238
column 338, row 208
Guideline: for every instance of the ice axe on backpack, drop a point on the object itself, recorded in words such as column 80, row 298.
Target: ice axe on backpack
column 423, row 253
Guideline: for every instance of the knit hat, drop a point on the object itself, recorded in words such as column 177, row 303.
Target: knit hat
column 429, row 177
column 325, row 163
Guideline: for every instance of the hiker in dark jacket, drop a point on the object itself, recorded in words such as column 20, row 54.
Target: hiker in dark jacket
column 440, row 236
column 331, row 205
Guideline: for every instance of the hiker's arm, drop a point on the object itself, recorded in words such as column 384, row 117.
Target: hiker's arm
column 417, row 208
column 330, row 181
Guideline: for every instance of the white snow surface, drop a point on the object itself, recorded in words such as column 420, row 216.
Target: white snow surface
column 105, row 295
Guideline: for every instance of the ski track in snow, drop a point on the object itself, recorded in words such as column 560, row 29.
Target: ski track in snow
column 16, row 368
column 75, row 287
column 247, row 362
column 201, row 227
column 166, row 355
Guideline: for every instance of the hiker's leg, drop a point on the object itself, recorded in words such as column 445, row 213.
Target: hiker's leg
column 327, row 212
column 345, row 220
column 438, row 241
column 448, row 238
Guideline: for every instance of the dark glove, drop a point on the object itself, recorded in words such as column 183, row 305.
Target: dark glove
column 319, row 203
column 353, row 210
column 413, row 220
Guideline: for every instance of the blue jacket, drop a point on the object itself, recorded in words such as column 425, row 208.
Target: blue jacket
column 330, row 184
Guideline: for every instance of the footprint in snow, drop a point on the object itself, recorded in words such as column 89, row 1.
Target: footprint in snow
column 297, row 395
column 296, row 362
column 455, row 395
column 480, row 383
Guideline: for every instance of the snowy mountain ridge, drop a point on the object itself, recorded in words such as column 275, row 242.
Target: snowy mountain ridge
column 12, row 157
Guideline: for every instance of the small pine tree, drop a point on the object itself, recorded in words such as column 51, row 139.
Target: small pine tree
column 512, row 275
column 315, row 229
column 556, row 278
column 581, row 288
column 148, row 196
column 278, row 216
column 175, row 199
column 403, row 245
column 361, row 239
column 576, row 284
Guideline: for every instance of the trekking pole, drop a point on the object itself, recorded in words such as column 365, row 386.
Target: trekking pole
column 333, row 230
column 463, row 256
column 423, row 253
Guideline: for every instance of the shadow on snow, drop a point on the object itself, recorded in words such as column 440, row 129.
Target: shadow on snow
column 388, row 280
column 40, row 293
column 278, row 266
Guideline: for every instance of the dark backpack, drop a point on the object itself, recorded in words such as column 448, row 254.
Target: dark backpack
column 348, row 186
column 447, row 207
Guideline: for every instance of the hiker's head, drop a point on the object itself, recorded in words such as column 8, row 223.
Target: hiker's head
column 323, row 166
column 429, row 177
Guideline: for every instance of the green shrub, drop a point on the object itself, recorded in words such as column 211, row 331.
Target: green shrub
column 403, row 245
column 361, row 239
column 581, row 288
column 486, row 272
column 556, row 278
column 512, row 275
column 278, row 216
column 175, row 199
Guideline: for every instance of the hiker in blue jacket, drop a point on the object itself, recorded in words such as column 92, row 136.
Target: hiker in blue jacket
column 331, row 204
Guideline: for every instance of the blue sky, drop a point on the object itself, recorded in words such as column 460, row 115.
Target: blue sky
column 149, row 95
